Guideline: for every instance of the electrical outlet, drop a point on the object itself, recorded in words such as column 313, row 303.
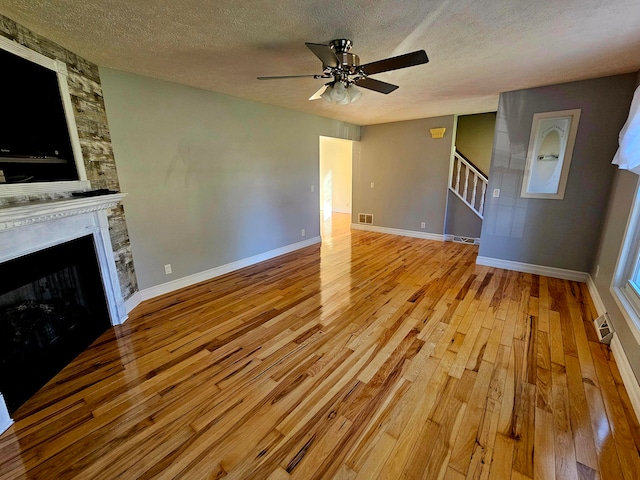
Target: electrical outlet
column 167, row 268
column 312, row 188
column 371, row 184
column 597, row 271
column 496, row 192
column 302, row 233
column 423, row 225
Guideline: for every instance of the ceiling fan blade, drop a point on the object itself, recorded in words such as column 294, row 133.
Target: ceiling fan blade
column 376, row 85
column 318, row 94
column 289, row 76
column 324, row 53
column 395, row 63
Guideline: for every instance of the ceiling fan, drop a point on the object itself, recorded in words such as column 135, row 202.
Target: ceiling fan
column 345, row 71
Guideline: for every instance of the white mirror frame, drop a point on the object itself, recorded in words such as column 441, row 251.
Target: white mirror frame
column 50, row 187
column 567, row 142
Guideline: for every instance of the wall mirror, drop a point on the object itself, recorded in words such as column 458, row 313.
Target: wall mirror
column 553, row 136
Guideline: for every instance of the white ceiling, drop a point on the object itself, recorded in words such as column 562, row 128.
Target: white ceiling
column 477, row 48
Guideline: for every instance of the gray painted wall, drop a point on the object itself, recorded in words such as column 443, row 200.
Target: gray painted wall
column 460, row 219
column 474, row 138
column 555, row 233
column 624, row 189
column 625, row 186
column 409, row 170
column 211, row 179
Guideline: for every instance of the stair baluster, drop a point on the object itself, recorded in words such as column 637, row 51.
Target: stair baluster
column 458, row 162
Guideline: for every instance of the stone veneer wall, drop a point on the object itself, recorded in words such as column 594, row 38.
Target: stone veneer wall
column 95, row 140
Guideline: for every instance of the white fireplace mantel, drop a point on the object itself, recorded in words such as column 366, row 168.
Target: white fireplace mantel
column 12, row 216
column 30, row 227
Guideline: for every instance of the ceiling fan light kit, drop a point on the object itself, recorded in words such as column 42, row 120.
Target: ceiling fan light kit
column 346, row 72
column 340, row 94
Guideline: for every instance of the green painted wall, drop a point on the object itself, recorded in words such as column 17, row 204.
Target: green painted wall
column 474, row 138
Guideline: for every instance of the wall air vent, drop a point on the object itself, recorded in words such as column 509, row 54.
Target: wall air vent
column 365, row 218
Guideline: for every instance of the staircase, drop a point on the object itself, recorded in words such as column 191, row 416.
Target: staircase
column 468, row 183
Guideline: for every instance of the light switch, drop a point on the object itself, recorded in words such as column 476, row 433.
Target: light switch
column 496, row 192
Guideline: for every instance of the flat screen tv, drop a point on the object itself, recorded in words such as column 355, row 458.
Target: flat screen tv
column 35, row 145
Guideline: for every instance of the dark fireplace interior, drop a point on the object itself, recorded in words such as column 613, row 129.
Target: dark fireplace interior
column 52, row 307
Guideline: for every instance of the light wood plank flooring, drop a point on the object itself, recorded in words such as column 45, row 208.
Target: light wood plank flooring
column 372, row 356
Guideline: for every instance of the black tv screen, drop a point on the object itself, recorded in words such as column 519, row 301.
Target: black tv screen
column 34, row 138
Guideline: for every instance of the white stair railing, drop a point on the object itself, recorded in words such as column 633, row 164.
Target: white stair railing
column 473, row 192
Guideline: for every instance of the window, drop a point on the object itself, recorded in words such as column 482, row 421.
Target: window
column 625, row 286
column 626, row 281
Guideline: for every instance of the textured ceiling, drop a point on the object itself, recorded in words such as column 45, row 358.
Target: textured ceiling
column 477, row 48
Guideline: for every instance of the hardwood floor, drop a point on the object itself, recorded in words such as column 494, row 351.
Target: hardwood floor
column 373, row 356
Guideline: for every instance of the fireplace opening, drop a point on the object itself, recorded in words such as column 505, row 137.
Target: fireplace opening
column 52, row 307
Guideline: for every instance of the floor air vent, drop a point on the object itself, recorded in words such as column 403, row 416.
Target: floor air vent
column 459, row 239
column 365, row 218
column 604, row 331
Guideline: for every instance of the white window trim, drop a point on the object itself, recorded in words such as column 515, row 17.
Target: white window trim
column 61, row 70
column 625, row 295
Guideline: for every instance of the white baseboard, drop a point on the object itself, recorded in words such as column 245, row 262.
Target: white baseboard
column 5, row 419
column 554, row 272
column 595, row 296
column 189, row 280
column 626, row 372
column 398, row 231
column 5, row 423
column 132, row 302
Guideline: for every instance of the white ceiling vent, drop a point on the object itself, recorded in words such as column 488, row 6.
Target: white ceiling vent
column 365, row 218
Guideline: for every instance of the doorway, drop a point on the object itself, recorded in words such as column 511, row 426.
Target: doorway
column 335, row 176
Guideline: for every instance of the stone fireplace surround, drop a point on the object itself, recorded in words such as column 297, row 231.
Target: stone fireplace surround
column 27, row 228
